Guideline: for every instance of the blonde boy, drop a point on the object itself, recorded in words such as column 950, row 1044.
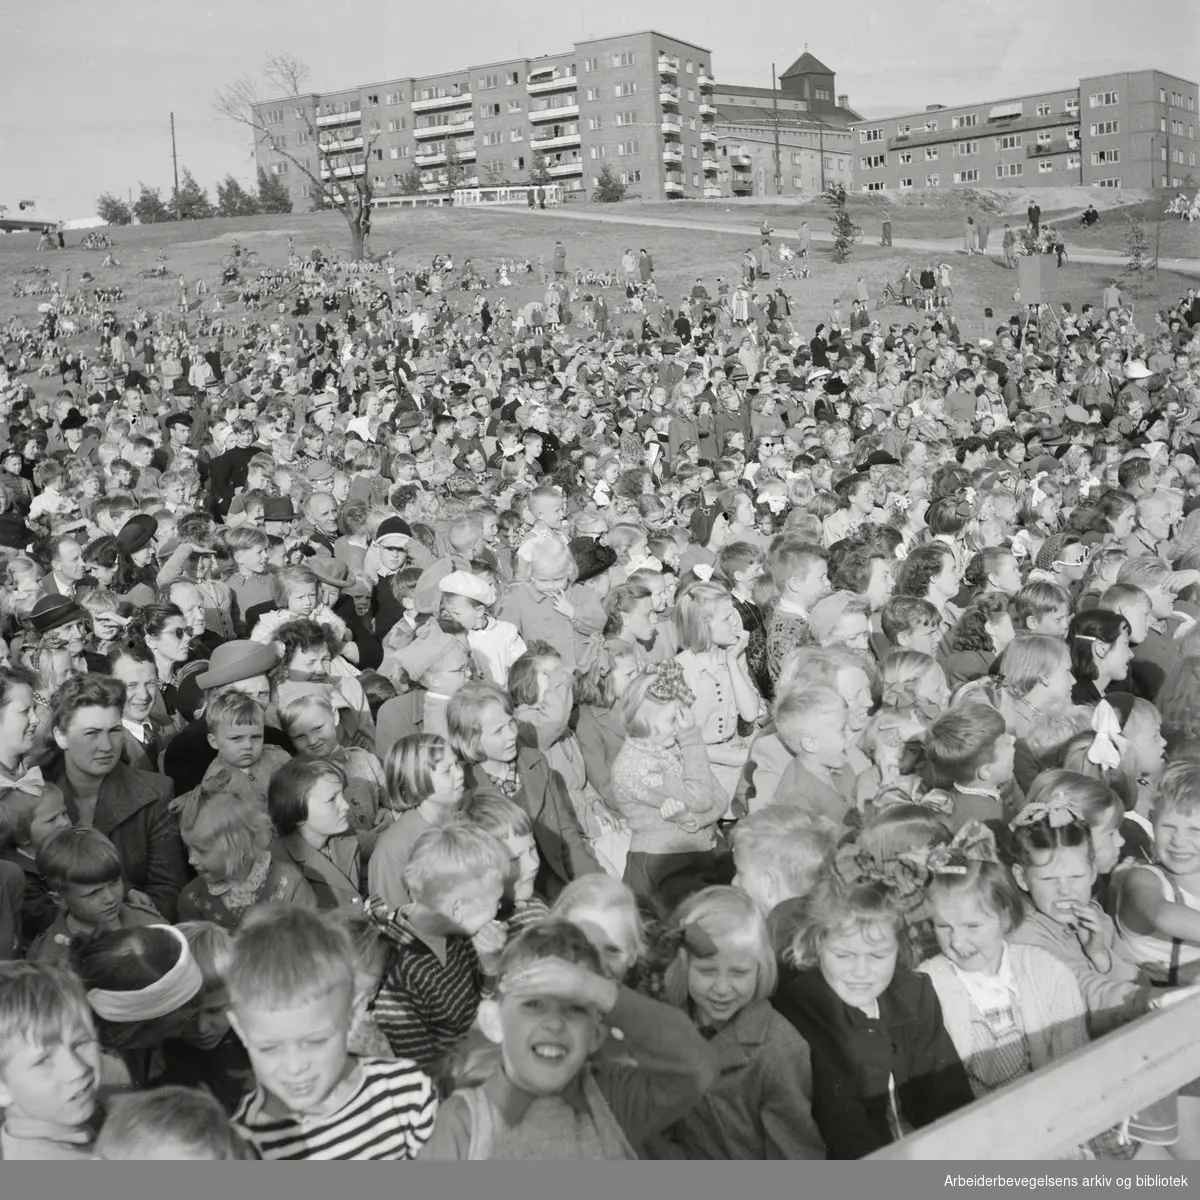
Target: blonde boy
column 49, row 1064
column 169, row 1124
column 812, row 724
column 236, row 723
column 800, row 571
column 291, row 992
column 970, row 752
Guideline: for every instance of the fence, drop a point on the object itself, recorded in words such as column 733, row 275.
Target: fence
column 471, row 197
column 1046, row 1114
column 421, row 200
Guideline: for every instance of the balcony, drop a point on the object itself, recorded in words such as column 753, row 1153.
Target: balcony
column 705, row 82
column 742, row 187
column 740, row 158
column 346, row 118
column 668, row 96
column 560, row 170
column 554, row 114
column 541, row 82
column 344, row 172
column 672, row 126
column 430, row 160
column 673, row 187
column 668, row 65
column 435, row 102
column 338, row 145
column 712, row 192
column 711, row 166
column 1041, row 149
column 706, row 109
column 556, row 141
column 673, row 155
column 449, row 129
column 708, row 137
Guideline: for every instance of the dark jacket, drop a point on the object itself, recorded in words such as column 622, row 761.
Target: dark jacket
column 564, row 853
column 854, row 1057
column 132, row 813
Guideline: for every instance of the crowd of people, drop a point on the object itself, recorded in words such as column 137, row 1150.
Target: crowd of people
column 427, row 733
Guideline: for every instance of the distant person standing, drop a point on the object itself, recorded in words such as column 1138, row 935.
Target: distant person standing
column 1112, row 296
column 62, row 241
column 560, row 260
column 1009, row 246
column 886, row 239
column 628, row 265
column 1035, row 217
column 970, row 236
column 984, row 230
column 531, row 196
column 1060, row 248
column 645, row 266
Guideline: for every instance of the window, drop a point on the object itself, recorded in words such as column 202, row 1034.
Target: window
column 931, row 153
column 1010, row 141
column 1073, row 161
column 395, row 125
column 965, row 149
column 492, row 139
column 518, row 164
column 696, row 153
column 373, row 128
column 797, row 160
column 695, row 179
column 394, row 98
column 1105, row 156
column 624, row 148
column 905, row 157
column 597, row 151
column 931, row 127
column 394, row 152
column 489, row 110
column 594, row 123
column 1177, row 128
column 1045, row 166
column 798, row 181
column 624, row 59
column 302, row 139
column 1102, row 99
column 691, row 95
column 631, row 177
column 1008, row 170
column 404, row 151
column 872, row 162
column 905, row 184
column 514, row 106
column 305, row 191
column 965, row 121
column 592, row 94
column 1192, row 158
column 511, row 79
column 625, row 89
column 687, row 66
column 1073, row 137
column 1177, row 99
column 873, row 187
column 1109, row 183
column 516, row 135
column 821, row 93
column 692, row 124
column 373, row 101
column 870, row 135
column 591, row 64
column 1044, row 137
column 1105, row 128
column 378, row 155
column 627, row 118
column 1071, row 105
column 278, row 143
column 279, row 168
column 1162, row 153
column 903, row 131
column 1043, row 110
column 970, row 175
column 1162, row 95
column 932, row 181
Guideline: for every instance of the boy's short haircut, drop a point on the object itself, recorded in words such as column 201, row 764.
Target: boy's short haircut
column 445, row 860
column 739, row 556
column 1038, row 598
column 1178, row 788
column 497, row 815
column 299, row 704
column 907, row 614
column 797, row 707
column 789, row 558
column 553, row 937
column 284, row 956
column 80, row 855
column 41, row 1004
column 853, row 571
column 1146, row 571
column 235, row 709
column 175, row 1116
column 545, row 492
column 793, row 845
column 212, row 950
column 963, row 741
column 1122, row 595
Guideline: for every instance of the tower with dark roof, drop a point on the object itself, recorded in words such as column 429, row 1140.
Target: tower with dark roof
column 808, row 78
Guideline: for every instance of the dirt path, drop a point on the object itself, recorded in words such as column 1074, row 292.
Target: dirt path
column 1189, row 266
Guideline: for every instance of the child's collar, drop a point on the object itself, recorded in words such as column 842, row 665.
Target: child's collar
column 338, row 1097
column 31, row 1129
column 512, row 1101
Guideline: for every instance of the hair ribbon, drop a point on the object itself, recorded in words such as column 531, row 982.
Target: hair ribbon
column 692, row 938
column 668, row 684
column 973, row 843
column 1056, row 812
column 32, row 783
column 1104, row 751
column 183, row 982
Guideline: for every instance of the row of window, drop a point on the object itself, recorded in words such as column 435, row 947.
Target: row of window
column 1177, row 156
column 1176, row 128
column 963, row 121
column 1014, row 170
column 1176, row 100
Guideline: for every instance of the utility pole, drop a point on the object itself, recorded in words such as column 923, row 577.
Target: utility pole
column 775, row 118
column 821, row 143
column 175, row 164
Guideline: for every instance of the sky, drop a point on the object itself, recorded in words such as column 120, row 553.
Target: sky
column 89, row 88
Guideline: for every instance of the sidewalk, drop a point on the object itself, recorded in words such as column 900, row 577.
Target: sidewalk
column 1187, row 266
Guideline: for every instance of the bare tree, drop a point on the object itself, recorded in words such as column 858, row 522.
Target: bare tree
column 335, row 181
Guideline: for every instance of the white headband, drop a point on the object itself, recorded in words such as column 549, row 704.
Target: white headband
column 179, row 985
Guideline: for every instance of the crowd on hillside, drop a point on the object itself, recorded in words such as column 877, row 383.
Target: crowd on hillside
column 430, row 729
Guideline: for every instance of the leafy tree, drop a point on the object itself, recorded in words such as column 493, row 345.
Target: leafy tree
column 454, row 166
column 609, row 189
column 114, row 211
column 843, row 227
column 233, row 200
column 495, row 175
column 273, row 196
column 330, row 184
column 149, row 208
column 193, row 202
column 539, row 173
column 410, row 182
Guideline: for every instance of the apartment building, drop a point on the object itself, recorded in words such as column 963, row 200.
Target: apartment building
column 812, row 123
column 639, row 103
column 1134, row 129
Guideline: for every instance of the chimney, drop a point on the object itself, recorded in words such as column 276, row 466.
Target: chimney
column 843, row 101
column 934, row 107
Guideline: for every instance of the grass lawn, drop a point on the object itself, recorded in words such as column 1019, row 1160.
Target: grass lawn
column 194, row 250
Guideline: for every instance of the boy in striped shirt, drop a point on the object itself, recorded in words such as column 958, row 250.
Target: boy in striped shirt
column 291, row 992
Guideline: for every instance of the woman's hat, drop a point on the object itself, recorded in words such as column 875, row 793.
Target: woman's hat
column 137, row 533
column 278, row 508
column 14, row 533
column 463, row 583
column 330, row 571
column 317, row 472
column 234, row 661
column 591, row 557
column 52, row 612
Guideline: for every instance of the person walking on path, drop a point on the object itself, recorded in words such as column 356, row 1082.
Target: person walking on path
column 984, row 229
column 560, row 260
column 970, row 236
column 886, row 238
column 1035, row 217
column 1009, row 245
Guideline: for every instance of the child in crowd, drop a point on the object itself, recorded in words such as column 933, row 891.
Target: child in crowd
column 228, row 839
column 511, row 826
column 970, row 753
column 723, row 974
column 291, row 994
column 553, row 993
column 82, row 870
column 236, row 723
column 811, row 723
column 909, row 623
column 616, row 924
column 297, row 595
column 173, row 1124
column 913, row 693
column 370, row 962
column 27, row 821
column 801, row 574
column 982, row 634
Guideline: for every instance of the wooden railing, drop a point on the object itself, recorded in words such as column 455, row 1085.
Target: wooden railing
column 1046, row 1114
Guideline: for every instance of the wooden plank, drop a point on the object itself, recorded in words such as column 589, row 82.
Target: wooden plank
column 1046, row 1114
